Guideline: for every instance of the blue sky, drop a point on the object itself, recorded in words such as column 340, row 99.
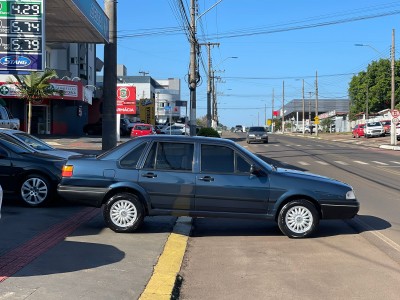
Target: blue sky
column 275, row 42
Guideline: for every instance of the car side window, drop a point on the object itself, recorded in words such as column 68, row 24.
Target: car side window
column 242, row 166
column 170, row 156
column 3, row 152
column 217, row 159
column 131, row 159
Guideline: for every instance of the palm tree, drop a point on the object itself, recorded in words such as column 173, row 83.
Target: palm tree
column 35, row 86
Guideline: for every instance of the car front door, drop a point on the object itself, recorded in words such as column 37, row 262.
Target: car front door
column 167, row 176
column 224, row 183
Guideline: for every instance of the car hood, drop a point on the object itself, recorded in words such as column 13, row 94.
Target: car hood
column 305, row 175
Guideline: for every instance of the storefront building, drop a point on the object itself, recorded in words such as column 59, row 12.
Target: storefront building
column 72, row 30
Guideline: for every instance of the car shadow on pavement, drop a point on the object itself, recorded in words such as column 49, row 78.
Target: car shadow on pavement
column 241, row 227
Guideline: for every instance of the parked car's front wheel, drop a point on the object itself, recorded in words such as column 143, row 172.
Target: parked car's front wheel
column 298, row 219
column 123, row 212
column 35, row 190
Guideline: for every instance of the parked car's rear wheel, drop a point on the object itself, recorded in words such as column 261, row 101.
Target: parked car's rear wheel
column 298, row 219
column 35, row 190
column 123, row 212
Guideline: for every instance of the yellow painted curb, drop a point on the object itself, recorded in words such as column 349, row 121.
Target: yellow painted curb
column 162, row 282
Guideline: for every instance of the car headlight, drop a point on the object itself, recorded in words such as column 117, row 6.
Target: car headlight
column 252, row 135
column 264, row 135
column 350, row 195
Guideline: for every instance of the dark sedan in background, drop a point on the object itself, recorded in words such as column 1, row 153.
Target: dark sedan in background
column 203, row 177
column 30, row 175
column 257, row 134
column 96, row 128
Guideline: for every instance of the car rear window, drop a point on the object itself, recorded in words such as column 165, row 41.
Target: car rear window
column 142, row 127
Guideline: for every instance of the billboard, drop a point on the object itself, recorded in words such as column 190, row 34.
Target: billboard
column 22, row 36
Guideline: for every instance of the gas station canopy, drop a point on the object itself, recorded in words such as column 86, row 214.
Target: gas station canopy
column 75, row 21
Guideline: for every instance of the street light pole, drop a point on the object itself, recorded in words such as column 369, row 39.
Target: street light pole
column 393, row 140
column 193, row 69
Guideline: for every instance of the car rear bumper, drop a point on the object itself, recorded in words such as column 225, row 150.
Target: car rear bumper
column 84, row 195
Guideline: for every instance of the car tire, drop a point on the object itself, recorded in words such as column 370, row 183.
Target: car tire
column 298, row 219
column 35, row 190
column 123, row 213
column 265, row 142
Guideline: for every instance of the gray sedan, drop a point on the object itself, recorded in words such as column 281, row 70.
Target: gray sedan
column 257, row 134
column 201, row 177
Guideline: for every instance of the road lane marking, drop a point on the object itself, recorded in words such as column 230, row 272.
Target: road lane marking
column 161, row 283
column 303, row 163
column 395, row 162
column 341, row 162
column 380, row 163
column 360, row 162
column 379, row 235
column 322, row 162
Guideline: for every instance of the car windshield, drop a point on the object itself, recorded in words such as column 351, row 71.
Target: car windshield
column 33, row 142
column 257, row 129
column 14, row 144
column 374, row 124
column 142, row 127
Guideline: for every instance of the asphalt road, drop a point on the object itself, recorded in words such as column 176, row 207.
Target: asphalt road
column 66, row 251
column 357, row 259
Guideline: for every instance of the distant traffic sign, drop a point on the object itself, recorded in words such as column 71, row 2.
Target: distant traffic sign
column 395, row 121
column 395, row 113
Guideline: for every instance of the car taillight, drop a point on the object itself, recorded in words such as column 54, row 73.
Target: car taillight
column 67, row 171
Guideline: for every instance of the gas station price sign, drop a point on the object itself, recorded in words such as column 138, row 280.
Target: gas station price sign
column 22, row 38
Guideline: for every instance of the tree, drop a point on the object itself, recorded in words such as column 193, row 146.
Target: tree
column 35, row 86
column 370, row 90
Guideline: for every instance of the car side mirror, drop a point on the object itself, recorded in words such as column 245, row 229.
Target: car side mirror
column 256, row 171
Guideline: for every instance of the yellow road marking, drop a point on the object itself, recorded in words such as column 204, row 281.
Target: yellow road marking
column 162, row 282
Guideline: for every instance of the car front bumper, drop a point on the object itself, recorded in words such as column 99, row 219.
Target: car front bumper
column 340, row 210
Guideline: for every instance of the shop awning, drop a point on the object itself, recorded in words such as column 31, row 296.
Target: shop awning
column 75, row 21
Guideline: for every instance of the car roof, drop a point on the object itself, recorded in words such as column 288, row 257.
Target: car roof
column 185, row 138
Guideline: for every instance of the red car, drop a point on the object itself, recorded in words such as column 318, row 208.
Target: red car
column 358, row 130
column 142, row 129
column 386, row 125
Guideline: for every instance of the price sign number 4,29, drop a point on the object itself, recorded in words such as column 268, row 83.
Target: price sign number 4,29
column 21, row 9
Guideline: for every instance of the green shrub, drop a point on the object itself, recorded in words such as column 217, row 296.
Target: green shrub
column 211, row 132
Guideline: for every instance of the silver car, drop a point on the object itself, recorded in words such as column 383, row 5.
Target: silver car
column 257, row 134
column 176, row 129
column 374, row 129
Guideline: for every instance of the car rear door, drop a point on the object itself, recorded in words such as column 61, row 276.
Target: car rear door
column 224, row 183
column 8, row 170
column 167, row 176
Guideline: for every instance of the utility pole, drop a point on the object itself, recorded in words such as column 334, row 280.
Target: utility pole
column 209, row 105
column 393, row 140
column 283, row 107
column 193, row 68
column 316, row 102
column 303, row 108
column 109, row 126
column 272, row 125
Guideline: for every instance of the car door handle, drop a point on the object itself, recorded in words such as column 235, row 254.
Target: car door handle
column 149, row 175
column 207, row 178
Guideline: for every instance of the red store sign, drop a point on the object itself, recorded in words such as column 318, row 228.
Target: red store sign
column 126, row 99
